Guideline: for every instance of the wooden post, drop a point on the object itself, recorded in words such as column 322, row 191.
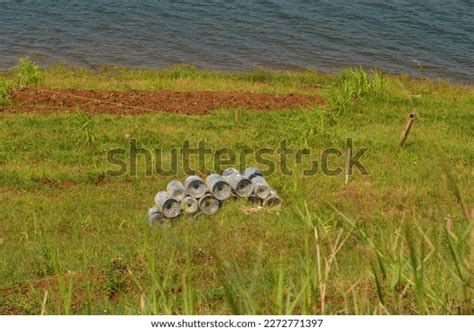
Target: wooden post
column 348, row 162
column 406, row 130
column 43, row 305
column 237, row 116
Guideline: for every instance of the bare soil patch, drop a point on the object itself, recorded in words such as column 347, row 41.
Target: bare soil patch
column 139, row 102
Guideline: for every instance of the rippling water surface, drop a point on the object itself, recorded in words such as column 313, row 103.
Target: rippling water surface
column 234, row 35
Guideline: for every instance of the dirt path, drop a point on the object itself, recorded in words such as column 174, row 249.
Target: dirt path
column 139, row 102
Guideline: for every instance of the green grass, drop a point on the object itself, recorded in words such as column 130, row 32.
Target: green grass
column 399, row 241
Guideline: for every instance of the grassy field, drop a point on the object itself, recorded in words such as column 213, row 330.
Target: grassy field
column 74, row 240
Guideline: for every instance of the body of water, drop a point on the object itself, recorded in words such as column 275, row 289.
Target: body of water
column 236, row 35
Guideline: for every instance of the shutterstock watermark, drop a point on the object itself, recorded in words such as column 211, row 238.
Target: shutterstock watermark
column 201, row 159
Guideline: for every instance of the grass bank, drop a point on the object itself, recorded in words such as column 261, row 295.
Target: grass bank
column 75, row 240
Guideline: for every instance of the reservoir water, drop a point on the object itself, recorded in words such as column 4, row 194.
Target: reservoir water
column 395, row 36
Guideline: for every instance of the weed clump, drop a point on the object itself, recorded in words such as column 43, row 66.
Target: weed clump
column 28, row 73
column 86, row 123
column 116, row 275
column 6, row 87
column 353, row 85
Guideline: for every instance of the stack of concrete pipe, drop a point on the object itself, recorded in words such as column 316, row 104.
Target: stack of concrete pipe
column 196, row 196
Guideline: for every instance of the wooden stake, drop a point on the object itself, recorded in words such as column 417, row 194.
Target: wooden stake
column 43, row 305
column 142, row 304
column 406, row 131
column 348, row 163
column 237, row 116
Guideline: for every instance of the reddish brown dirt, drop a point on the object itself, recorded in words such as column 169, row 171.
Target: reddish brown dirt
column 139, row 102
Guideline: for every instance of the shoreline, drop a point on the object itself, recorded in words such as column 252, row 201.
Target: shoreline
column 415, row 74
